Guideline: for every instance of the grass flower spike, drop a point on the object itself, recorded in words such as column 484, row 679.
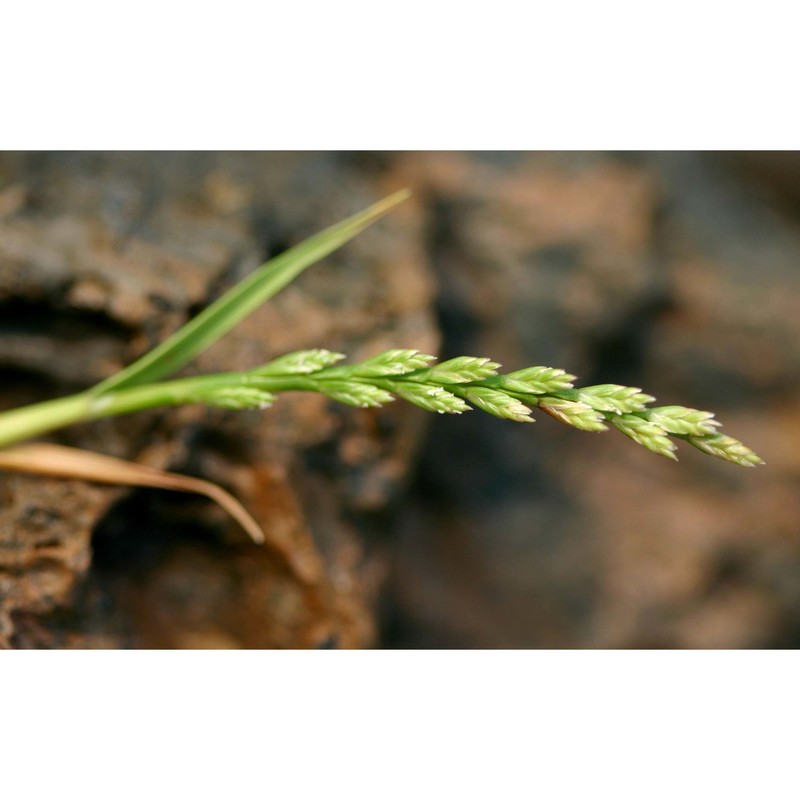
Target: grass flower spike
column 452, row 387
column 455, row 386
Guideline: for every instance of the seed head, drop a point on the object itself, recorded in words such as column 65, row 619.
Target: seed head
column 303, row 362
column 727, row 448
column 362, row 395
column 537, row 380
column 431, row 398
column 464, row 369
column 497, row 403
column 615, row 398
column 685, row 421
column 579, row 415
column 449, row 388
column 392, row 362
column 645, row 433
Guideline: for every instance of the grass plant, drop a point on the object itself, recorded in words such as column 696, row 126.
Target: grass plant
column 451, row 387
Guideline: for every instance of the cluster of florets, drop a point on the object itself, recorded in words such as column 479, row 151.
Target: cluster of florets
column 457, row 385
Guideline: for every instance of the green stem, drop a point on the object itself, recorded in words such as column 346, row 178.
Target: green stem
column 29, row 421
column 34, row 420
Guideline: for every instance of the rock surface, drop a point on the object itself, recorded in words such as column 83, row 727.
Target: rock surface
column 673, row 272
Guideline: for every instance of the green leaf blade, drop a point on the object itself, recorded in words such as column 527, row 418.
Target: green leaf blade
column 244, row 298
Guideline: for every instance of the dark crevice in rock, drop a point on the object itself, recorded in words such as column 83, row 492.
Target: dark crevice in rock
column 621, row 353
column 56, row 319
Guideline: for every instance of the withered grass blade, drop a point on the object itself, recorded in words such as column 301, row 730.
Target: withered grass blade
column 57, row 461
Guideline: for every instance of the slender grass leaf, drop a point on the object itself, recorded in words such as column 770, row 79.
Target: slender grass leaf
column 244, row 298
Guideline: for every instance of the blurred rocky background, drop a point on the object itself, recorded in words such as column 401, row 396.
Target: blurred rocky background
column 676, row 272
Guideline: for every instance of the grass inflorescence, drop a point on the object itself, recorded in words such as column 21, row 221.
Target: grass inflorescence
column 459, row 384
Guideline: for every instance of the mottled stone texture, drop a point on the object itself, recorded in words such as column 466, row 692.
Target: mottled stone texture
column 674, row 272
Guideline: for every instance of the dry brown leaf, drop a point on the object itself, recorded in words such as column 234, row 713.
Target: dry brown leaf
column 40, row 458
